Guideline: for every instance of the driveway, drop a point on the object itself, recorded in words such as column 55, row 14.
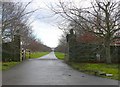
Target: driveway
column 48, row 70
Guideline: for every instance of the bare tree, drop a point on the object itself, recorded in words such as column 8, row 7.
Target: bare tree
column 15, row 20
column 102, row 19
column 62, row 47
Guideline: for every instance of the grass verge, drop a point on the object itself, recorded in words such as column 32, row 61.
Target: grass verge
column 91, row 68
column 60, row 55
column 8, row 65
column 36, row 54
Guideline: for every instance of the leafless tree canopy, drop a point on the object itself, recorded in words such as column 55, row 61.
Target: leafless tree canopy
column 15, row 20
column 101, row 18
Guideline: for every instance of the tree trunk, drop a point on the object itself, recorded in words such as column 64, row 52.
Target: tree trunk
column 107, row 50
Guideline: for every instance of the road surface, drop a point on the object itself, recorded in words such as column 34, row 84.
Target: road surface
column 48, row 70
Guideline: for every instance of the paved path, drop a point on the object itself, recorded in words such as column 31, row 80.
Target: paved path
column 49, row 56
column 48, row 70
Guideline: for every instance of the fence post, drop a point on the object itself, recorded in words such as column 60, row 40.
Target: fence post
column 22, row 54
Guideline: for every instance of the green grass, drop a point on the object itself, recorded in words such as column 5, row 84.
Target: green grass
column 90, row 68
column 7, row 65
column 60, row 55
column 36, row 54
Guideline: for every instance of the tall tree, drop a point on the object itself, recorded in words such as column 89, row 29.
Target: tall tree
column 102, row 19
column 15, row 19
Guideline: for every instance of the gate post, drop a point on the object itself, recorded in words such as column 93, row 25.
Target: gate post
column 16, row 47
column 71, row 39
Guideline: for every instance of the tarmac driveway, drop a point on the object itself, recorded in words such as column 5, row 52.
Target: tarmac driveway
column 48, row 70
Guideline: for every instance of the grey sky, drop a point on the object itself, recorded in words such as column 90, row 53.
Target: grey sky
column 44, row 26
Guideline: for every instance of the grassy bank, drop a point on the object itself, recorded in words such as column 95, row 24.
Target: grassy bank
column 7, row 65
column 91, row 68
column 60, row 55
column 36, row 54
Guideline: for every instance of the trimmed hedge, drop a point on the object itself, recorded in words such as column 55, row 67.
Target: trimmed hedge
column 83, row 52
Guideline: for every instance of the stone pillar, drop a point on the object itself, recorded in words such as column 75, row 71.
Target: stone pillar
column 71, row 40
column 16, row 47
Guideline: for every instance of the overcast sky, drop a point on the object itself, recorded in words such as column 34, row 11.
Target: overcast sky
column 44, row 26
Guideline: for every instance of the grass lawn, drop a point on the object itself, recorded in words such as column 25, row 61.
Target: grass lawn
column 60, row 55
column 36, row 54
column 7, row 65
column 90, row 68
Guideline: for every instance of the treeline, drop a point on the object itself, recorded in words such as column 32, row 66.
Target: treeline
column 36, row 45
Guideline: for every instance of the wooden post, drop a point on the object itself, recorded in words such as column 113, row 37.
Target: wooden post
column 22, row 54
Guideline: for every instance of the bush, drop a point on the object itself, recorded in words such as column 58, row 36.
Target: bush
column 83, row 52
